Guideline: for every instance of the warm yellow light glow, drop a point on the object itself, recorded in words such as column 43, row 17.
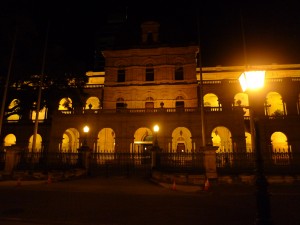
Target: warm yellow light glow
column 251, row 80
column 156, row 128
column 86, row 129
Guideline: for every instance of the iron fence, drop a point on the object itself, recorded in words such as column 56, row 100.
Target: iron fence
column 42, row 161
column 120, row 163
column 141, row 163
column 191, row 162
column 244, row 162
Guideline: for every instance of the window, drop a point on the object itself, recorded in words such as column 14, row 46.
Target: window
column 178, row 72
column 150, row 38
column 121, row 74
column 179, row 104
column 120, row 104
column 149, row 73
column 149, row 104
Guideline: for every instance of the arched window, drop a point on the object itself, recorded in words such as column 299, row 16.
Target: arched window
column 149, row 104
column 120, row 104
column 179, row 104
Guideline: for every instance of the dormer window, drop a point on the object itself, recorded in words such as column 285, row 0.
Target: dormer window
column 150, row 32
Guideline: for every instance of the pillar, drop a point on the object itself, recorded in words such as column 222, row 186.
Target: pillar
column 209, row 161
column 12, row 158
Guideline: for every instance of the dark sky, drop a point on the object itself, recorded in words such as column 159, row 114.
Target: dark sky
column 271, row 30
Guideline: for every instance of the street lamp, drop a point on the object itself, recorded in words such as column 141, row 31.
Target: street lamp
column 86, row 130
column 154, row 153
column 251, row 81
column 155, row 129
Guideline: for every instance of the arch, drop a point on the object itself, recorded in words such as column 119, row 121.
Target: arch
column 241, row 99
column 120, row 63
column 211, row 100
column 248, row 142
column 10, row 140
column 182, row 140
column 38, row 145
column 13, row 106
column 179, row 98
column 281, row 153
column 149, row 99
column 65, row 104
column 41, row 115
column 70, row 141
column 148, row 61
column 149, row 104
column 275, row 105
column 221, row 137
column 179, row 61
column 106, row 140
column 92, row 103
column 279, row 142
column 143, row 140
column 120, row 100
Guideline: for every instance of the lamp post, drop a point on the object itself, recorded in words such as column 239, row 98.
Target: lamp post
column 155, row 129
column 251, row 81
column 86, row 130
column 83, row 157
column 155, row 148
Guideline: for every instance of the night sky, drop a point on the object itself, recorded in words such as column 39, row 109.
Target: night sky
column 271, row 30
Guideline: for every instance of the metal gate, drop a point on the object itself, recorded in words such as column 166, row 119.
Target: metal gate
column 120, row 164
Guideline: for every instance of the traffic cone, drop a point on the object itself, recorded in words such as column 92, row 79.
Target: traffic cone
column 19, row 182
column 174, row 185
column 206, row 185
column 49, row 181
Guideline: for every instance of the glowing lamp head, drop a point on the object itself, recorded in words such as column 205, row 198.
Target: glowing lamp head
column 156, row 128
column 252, row 80
column 86, row 129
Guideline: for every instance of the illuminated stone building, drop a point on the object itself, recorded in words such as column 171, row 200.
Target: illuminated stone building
column 153, row 83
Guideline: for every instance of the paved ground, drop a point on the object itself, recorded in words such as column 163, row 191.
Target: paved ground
column 130, row 201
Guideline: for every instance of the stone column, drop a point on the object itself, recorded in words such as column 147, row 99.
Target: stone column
column 209, row 160
column 84, row 157
column 12, row 158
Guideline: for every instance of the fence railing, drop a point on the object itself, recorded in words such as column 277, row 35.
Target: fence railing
column 140, row 162
column 273, row 163
column 181, row 162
